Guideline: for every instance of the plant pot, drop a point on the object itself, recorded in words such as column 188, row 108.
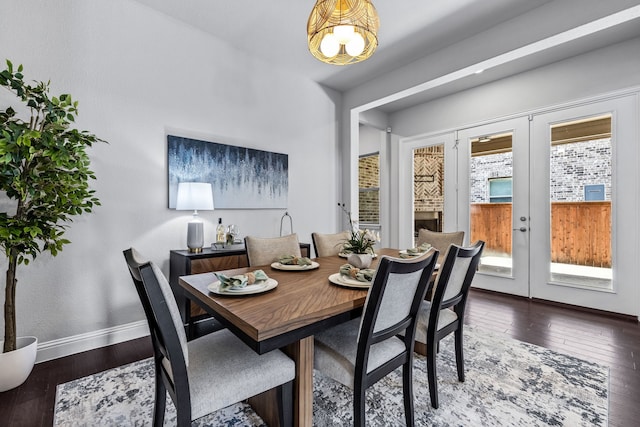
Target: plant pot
column 360, row 260
column 15, row 366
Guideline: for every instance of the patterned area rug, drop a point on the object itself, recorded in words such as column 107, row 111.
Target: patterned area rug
column 508, row 383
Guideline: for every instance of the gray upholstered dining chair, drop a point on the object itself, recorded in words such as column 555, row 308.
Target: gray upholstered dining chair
column 264, row 251
column 440, row 240
column 360, row 352
column 444, row 314
column 207, row 373
column 328, row 244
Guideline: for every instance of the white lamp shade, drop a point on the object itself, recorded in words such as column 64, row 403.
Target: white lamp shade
column 194, row 196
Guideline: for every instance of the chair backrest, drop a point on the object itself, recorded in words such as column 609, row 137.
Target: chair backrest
column 264, row 251
column 328, row 244
column 440, row 241
column 134, row 261
column 165, row 324
column 454, row 279
column 393, row 301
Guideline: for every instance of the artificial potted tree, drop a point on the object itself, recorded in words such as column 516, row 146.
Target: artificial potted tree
column 44, row 174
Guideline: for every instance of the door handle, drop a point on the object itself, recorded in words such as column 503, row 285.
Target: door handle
column 523, row 229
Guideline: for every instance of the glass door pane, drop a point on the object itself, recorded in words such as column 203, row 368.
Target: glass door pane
column 580, row 202
column 428, row 188
column 491, row 197
column 426, row 197
column 369, row 189
column 584, row 205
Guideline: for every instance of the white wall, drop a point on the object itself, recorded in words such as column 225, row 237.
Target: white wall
column 595, row 73
column 369, row 142
column 140, row 75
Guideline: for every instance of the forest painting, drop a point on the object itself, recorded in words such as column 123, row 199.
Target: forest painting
column 242, row 178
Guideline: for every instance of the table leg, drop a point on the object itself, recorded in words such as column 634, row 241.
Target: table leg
column 302, row 353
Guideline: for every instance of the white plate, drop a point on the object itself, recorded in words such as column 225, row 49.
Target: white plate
column 256, row 288
column 346, row 255
column 339, row 279
column 405, row 252
column 295, row 267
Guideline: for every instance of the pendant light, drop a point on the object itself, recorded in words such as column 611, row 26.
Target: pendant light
column 342, row 32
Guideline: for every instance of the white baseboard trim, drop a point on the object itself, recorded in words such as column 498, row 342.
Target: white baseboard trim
column 78, row 343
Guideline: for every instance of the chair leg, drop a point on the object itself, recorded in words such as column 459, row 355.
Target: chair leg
column 431, row 375
column 459, row 353
column 285, row 404
column 182, row 402
column 159, row 403
column 358, row 405
column 407, row 386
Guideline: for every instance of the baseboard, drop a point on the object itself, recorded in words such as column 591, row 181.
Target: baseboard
column 78, row 343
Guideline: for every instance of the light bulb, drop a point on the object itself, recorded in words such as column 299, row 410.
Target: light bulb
column 356, row 45
column 344, row 33
column 329, row 46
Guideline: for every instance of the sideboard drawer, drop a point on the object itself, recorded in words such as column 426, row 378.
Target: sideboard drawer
column 204, row 265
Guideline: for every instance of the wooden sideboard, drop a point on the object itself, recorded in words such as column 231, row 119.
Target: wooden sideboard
column 182, row 263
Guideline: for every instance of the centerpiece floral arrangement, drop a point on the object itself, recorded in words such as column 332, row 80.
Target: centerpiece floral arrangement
column 360, row 241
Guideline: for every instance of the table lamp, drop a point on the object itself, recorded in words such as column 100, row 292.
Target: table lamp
column 194, row 195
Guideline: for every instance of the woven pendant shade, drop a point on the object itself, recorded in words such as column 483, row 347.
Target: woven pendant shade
column 342, row 32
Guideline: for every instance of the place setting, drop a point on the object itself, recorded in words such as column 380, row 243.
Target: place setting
column 415, row 252
column 242, row 284
column 353, row 277
column 294, row 263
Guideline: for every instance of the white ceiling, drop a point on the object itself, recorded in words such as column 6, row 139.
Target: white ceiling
column 275, row 31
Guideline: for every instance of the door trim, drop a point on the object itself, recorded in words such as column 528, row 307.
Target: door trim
column 405, row 192
column 625, row 200
column 518, row 282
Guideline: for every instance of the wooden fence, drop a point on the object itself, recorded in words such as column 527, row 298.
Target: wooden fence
column 580, row 231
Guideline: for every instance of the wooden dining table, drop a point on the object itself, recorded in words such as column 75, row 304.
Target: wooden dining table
column 286, row 317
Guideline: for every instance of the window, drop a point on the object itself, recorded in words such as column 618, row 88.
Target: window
column 500, row 190
column 594, row 192
column 369, row 188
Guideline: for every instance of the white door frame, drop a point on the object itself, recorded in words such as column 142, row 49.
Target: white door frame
column 405, row 175
column 517, row 283
column 626, row 222
column 625, row 200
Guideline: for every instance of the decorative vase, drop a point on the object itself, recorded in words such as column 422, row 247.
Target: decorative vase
column 359, row 260
column 15, row 366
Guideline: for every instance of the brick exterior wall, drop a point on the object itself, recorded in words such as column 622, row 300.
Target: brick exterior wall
column 485, row 167
column 428, row 164
column 573, row 166
column 369, row 178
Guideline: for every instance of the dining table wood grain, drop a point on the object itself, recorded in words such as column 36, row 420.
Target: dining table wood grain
column 286, row 317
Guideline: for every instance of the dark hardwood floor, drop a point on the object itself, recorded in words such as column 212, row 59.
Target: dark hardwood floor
column 597, row 337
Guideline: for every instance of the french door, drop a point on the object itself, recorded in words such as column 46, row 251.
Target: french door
column 493, row 200
column 555, row 197
column 584, row 206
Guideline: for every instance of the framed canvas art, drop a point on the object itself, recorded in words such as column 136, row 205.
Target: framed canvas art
column 242, row 178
